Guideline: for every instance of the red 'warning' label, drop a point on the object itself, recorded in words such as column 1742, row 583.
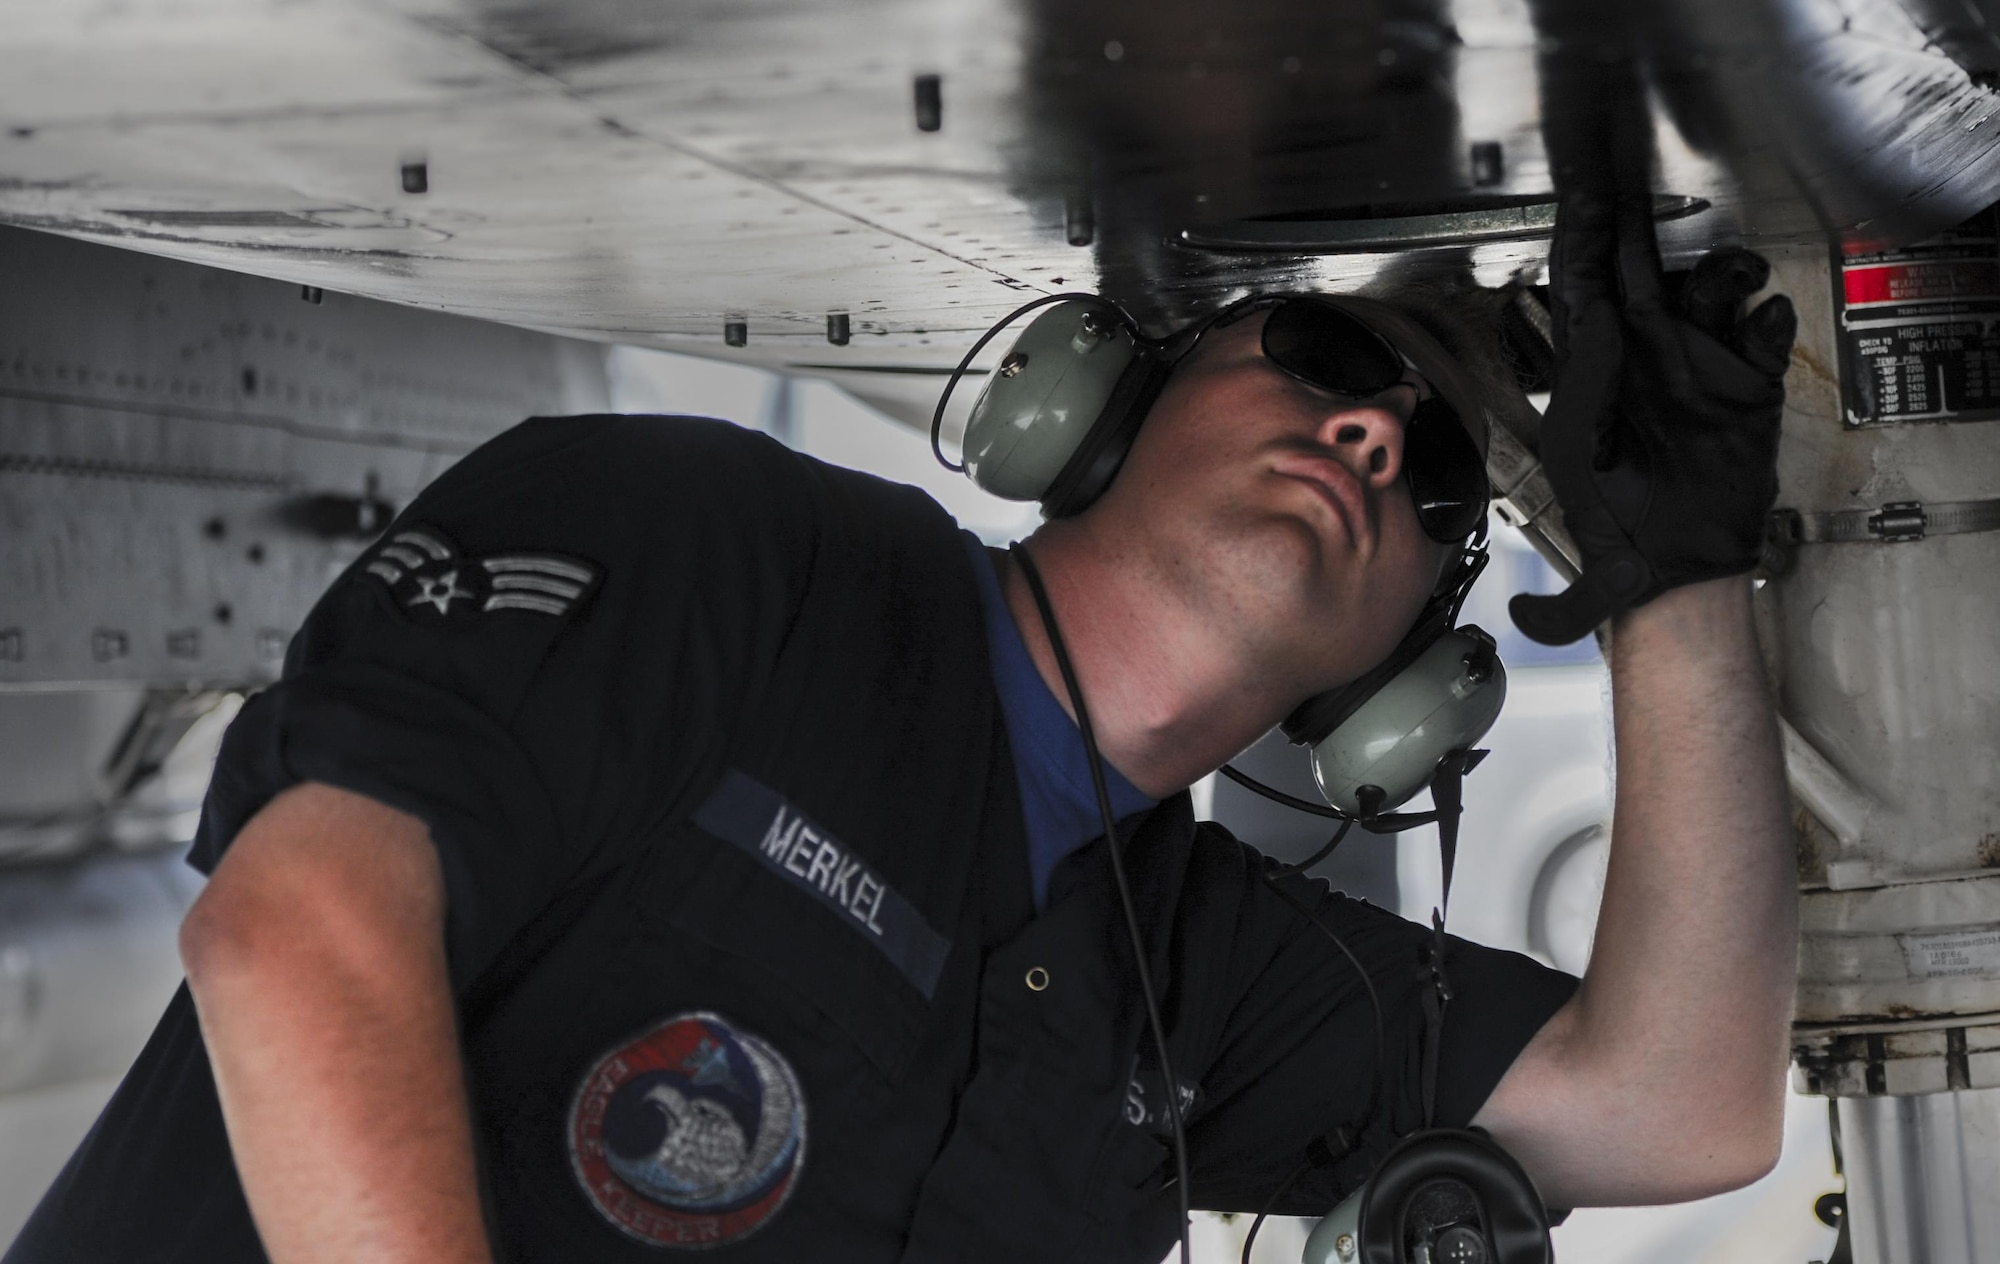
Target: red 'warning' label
column 1918, row 282
column 1920, row 328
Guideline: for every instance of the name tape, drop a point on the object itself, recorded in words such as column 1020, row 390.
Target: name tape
column 758, row 820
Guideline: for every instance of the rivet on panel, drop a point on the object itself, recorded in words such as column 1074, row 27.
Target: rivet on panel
column 929, row 91
column 1489, row 163
column 1079, row 219
column 1038, row 979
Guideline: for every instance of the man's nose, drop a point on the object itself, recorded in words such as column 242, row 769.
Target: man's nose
column 1373, row 433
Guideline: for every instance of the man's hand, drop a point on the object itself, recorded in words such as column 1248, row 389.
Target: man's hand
column 316, row 959
column 1661, row 439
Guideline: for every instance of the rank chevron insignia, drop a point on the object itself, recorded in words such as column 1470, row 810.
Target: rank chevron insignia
column 428, row 577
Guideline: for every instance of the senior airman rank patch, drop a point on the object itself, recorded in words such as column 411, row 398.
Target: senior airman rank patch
column 430, row 580
column 690, row 1134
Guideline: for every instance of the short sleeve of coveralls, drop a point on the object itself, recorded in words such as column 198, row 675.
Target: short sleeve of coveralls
column 1300, row 1095
column 542, row 656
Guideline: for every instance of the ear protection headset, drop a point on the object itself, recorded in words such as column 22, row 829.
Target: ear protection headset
column 1058, row 416
column 1055, row 423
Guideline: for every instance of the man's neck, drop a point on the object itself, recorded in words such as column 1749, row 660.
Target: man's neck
column 1171, row 695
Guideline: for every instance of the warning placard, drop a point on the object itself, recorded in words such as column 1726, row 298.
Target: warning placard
column 1920, row 328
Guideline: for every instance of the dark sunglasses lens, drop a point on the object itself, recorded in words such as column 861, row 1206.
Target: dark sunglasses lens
column 1330, row 349
column 1447, row 477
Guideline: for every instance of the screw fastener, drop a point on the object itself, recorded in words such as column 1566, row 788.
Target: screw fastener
column 929, row 93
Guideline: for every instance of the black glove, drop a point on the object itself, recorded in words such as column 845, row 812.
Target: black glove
column 1661, row 440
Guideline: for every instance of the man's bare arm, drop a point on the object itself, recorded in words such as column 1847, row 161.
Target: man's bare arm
column 316, row 959
column 1663, row 1078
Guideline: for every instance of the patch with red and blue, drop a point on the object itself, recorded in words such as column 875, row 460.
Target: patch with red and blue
column 691, row 1134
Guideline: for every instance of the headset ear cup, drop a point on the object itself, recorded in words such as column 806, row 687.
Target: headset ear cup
column 1378, row 741
column 1102, row 451
column 1047, row 398
column 1516, row 1221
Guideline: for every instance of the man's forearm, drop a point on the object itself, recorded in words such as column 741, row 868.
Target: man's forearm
column 1696, row 950
column 1669, row 1063
column 319, row 974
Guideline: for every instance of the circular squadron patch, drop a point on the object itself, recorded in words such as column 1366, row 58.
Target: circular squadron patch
column 690, row 1134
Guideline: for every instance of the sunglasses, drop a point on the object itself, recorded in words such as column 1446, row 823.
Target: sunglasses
column 1332, row 349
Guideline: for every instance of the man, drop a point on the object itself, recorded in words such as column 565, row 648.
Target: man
column 663, row 842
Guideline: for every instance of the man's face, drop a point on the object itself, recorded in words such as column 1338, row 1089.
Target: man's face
column 1283, row 505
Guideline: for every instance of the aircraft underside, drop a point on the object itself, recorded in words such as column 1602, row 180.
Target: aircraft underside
column 268, row 268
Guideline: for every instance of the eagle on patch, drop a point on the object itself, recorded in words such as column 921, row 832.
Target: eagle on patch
column 690, row 1134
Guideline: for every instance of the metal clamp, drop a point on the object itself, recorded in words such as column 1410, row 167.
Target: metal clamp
column 1895, row 522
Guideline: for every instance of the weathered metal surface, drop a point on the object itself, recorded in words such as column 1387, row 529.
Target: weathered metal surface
column 653, row 173
column 188, row 456
column 1907, row 948
column 1923, row 1177
column 1889, row 673
column 1900, row 1058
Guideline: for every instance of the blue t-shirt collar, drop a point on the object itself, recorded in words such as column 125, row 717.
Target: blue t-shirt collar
column 1058, row 802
